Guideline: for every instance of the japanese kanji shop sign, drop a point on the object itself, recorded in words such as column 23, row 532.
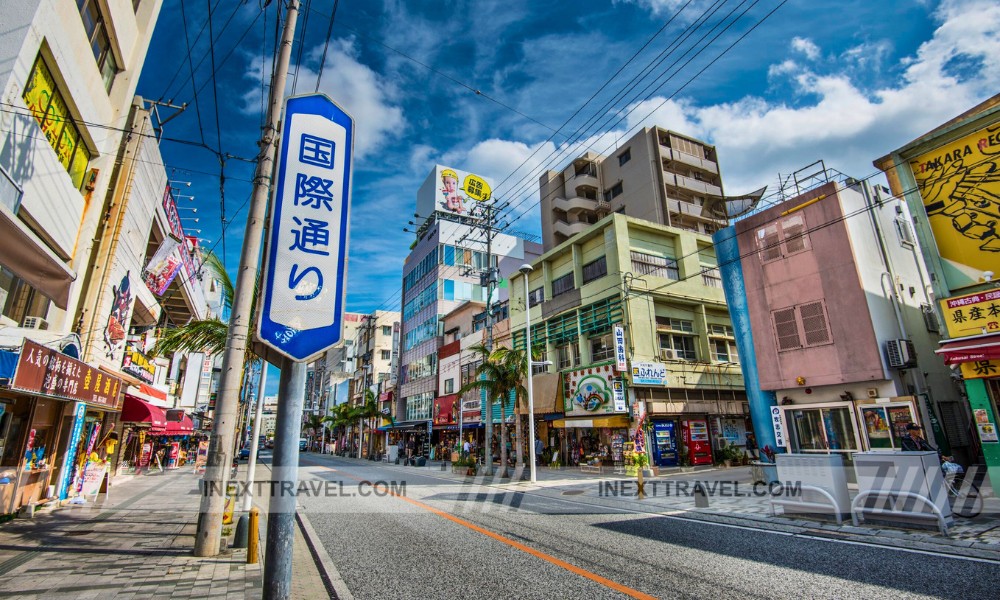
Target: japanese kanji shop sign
column 306, row 256
column 972, row 314
column 45, row 371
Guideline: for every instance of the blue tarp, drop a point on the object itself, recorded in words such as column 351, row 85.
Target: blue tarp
column 8, row 362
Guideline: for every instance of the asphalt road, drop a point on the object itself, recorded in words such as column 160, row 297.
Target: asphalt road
column 441, row 538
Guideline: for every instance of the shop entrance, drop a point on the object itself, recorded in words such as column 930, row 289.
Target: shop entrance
column 824, row 429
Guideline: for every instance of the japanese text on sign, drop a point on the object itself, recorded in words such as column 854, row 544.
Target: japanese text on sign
column 778, row 424
column 621, row 366
column 972, row 314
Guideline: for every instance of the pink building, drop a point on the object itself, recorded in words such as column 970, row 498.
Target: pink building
column 841, row 313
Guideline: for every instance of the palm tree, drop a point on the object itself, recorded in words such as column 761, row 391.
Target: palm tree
column 315, row 423
column 500, row 375
column 208, row 335
column 370, row 412
column 339, row 421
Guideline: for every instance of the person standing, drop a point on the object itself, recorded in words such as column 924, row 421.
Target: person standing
column 539, row 448
column 914, row 441
column 752, row 445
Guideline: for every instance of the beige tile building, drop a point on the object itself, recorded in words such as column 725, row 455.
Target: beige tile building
column 657, row 175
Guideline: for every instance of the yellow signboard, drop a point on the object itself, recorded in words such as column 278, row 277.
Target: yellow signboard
column 960, row 187
column 980, row 369
column 972, row 314
column 477, row 188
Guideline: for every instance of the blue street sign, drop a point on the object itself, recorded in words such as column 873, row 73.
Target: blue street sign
column 302, row 300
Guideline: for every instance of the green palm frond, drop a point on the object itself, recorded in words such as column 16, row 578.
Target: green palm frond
column 208, row 336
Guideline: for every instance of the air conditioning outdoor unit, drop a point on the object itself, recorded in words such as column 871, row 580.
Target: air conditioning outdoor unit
column 34, row 323
column 901, row 354
column 667, row 354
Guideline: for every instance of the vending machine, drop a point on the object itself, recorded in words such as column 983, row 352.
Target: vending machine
column 699, row 447
column 664, row 443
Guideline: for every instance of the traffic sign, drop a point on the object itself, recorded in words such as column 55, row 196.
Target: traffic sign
column 302, row 297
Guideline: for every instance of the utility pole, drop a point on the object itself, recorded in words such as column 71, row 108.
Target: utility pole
column 255, row 440
column 489, row 280
column 208, row 539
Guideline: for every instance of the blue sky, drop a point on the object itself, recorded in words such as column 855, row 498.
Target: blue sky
column 845, row 82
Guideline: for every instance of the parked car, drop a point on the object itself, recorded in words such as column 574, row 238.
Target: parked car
column 245, row 453
column 303, row 444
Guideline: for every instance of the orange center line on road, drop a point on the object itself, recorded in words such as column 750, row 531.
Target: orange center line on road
column 514, row 544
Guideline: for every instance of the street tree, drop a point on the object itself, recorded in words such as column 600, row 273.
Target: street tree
column 500, row 376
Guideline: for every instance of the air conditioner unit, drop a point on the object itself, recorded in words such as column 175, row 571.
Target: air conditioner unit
column 667, row 354
column 901, row 354
column 34, row 323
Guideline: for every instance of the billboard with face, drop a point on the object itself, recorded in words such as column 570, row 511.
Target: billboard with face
column 452, row 191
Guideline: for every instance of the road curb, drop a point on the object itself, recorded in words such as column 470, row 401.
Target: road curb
column 331, row 576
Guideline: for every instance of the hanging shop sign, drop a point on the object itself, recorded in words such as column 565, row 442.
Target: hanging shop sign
column 618, row 387
column 980, row 369
column 138, row 365
column 47, row 372
column 118, row 317
column 620, row 365
column 778, row 424
column 972, row 314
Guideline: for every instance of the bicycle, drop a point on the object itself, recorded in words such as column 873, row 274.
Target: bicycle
column 964, row 496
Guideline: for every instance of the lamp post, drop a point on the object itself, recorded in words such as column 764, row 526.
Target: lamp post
column 525, row 269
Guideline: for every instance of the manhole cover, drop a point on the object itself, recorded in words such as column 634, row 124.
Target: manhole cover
column 572, row 492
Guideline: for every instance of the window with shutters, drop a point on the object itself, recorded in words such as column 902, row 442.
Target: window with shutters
column 904, row 232
column 814, row 326
column 802, row 326
column 536, row 296
column 769, row 243
column 793, row 232
column 595, row 269
column 562, row 284
column 786, row 328
column 657, row 266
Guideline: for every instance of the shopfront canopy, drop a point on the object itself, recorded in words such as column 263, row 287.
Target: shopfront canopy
column 141, row 412
column 974, row 349
column 183, row 427
column 611, row 421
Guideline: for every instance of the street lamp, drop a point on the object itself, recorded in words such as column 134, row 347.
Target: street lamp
column 525, row 269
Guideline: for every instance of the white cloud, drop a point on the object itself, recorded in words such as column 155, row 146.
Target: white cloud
column 805, row 46
column 836, row 119
column 355, row 87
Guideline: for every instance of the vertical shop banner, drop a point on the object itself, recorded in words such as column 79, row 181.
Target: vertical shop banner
column 84, row 460
column 69, row 463
column 118, row 317
column 162, row 267
column 620, row 359
column 778, row 424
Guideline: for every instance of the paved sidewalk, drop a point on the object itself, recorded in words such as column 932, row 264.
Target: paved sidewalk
column 137, row 544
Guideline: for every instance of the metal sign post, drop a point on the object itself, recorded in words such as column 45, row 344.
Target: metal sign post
column 302, row 297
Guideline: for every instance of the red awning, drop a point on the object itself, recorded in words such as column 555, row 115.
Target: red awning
column 183, row 427
column 385, row 396
column 971, row 350
column 135, row 410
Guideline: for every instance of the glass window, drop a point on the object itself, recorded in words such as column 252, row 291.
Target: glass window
column 793, row 230
column 18, row 299
column 449, row 386
column 387, row 330
column 569, row 355
column 386, row 354
column 613, row 192
column 536, row 296
column 683, row 346
column 449, row 289
column 601, row 348
column 100, row 44
column 449, row 255
column 624, row 157
column 769, row 243
column 711, row 276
